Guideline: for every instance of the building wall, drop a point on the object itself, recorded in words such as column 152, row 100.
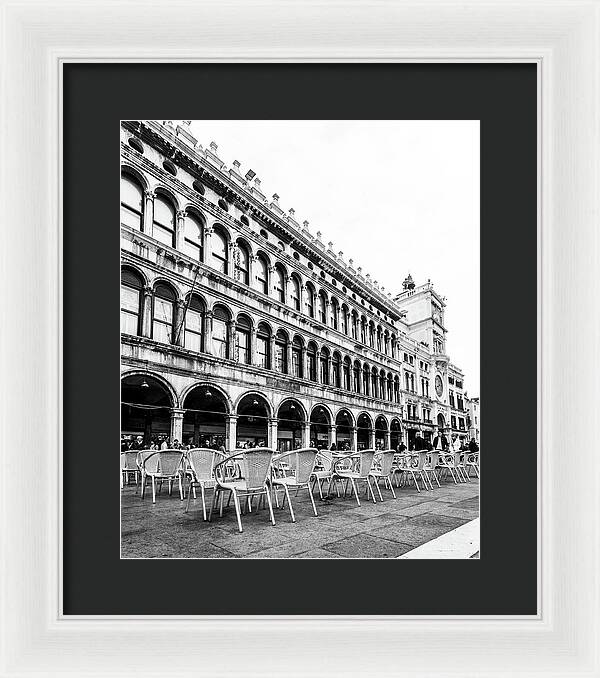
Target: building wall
column 168, row 165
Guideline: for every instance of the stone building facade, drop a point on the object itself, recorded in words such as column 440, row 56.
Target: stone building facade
column 240, row 325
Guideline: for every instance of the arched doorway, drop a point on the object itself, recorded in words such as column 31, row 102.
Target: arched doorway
column 145, row 407
column 290, row 418
column 364, row 427
column 319, row 427
column 252, row 425
column 343, row 427
column 395, row 434
column 204, row 422
column 381, row 433
column 441, row 422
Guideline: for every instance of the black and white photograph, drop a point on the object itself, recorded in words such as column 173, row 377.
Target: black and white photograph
column 300, row 339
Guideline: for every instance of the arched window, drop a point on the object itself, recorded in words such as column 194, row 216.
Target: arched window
column 335, row 312
column 386, row 343
column 220, row 251
column 375, row 383
column 322, row 308
column 324, row 366
column 379, row 340
column 297, row 357
column 163, row 314
column 347, row 370
column 393, row 345
column 356, row 377
column 163, row 227
column 295, row 293
column 193, row 237
column 363, row 329
column 396, row 389
column 263, row 340
column 242, row 339
column 366, row 380
column 281, row 342
column 354, row 325
column 371, row 335
column 390, row 387
column 131, row 302
column 194, row 325
column 336, row 370
column 382, row 385
column 345, row 319
column 220, row 332
column 279, row 284
column 242, row 264
column 262, row 274
column 311, row 359
column 132, row 202
column 310, row 300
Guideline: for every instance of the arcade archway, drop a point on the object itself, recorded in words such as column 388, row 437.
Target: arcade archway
column 381, row 433
column 395, row 434
column 343, row 425
column 290, row 421
column 204, row 423
column 253, row 418
column 320, row 423
column 145, row 407
column 364, row 428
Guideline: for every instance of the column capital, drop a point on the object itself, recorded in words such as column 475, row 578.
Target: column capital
column 177, row 412
column 149, row 195
column 231, row 417
column 181, row 214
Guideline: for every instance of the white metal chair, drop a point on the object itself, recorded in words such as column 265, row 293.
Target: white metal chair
column 160, row 466
column 254, row 468
column 128, row 466
column 323, row 471
column 200, row 463
column 383, row 467
column 416, row 468
column 448, row 464
column 472, row 462
column 294, row 470
column 353, row 468
column 430, row 468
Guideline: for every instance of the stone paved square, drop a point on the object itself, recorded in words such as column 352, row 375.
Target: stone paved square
column 386, row 529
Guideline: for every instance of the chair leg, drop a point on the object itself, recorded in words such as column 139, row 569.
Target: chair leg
column 355, row 491
column 153, row 491
column 312, row 499
column 203, row 501
column 389, row 483
column 370, row 488
column 180, row 488
column 187, row 506
column 213, row 503
column 414, row 477
column 236, row 501
column 270, row 505
column 378, row 489
column 143, row 485
column 221, row 504
column 287, row 494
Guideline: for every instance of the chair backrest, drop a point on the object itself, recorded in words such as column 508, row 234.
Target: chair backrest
column 325, row 458
column 302, row 463
column 385, row 459
column 169, row 461
column 148, row 460
column 129, row 460
column 255, row 465
column 434, row 458
column 365, row 462
column 202, row 461
column 457, row 458
column 422, row 460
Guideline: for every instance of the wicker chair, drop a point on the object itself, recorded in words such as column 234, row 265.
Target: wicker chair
column 450, row 463
column 200, row 463
column 353, row 468
column 128, row 466
column 323, row 471
column 254, row 468
column 400, row 468
column 431, row 464
column 416, row 468
column 294, row 470
column 472, row 462
column 383, row 468
column 160, row 466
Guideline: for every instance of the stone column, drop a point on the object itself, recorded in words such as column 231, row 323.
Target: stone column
column 305, row 428
column 146, row 328
column 177, row 424
column 329, row 370
column 303, row 363
column 354, row 443
column 386, row 438
column 272, row 434
column 372, row 438
column 231, row 431
column 231, row 340
column 178, row 322
column 332, row 435
column 207, row 245
column 179, row 229
column 148, row 212
column 208, row 319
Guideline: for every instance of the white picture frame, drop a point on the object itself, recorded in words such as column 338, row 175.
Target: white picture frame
column 563, row 38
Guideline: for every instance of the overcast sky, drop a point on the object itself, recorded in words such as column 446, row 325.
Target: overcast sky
column 397, row 197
